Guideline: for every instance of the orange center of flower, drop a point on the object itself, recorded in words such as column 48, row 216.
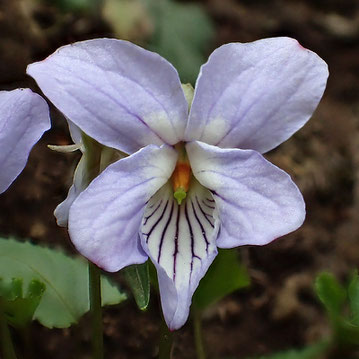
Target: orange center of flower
column 181, row 176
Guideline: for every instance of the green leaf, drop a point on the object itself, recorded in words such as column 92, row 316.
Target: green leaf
column 138, row 278
column 66, row 297
column 225, row 275
column 20, row 310
column 330, row 292
column 353, row 294
column 153, row 276
column 347, row 333
column 182, row 35
column 311, row 352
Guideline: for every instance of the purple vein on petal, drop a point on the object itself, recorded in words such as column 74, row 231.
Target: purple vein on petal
column 207, row 205
column 176, row 243
column 201, row 226
column 154, row 211
column 148, row 234
column 206, row 215
column 194, row 255
column 164, row 233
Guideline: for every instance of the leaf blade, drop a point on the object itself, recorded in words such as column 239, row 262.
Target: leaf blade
column 330, row 293
column 138, row 278
column 212, row 287
column 66, row 297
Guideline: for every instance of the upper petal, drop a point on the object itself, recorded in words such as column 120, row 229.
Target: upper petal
column 24, row 117
column 257, row 201
column 105, row 218
column 180, row 240
column 256, row 95
column 123, row 96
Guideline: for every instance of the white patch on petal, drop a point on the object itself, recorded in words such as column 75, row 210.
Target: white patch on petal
column 163, row 164
column 162, row 123
column 214, row 130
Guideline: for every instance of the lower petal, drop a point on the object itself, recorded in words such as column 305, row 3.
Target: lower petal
column 180, row 240
column 105, row 218
column 257, row 201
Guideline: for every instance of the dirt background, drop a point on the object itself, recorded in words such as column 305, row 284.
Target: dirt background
column 279, row 310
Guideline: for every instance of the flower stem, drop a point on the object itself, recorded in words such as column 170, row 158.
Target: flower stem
column 197, row 326
column 96, row 311
column 166, row 342
column 8, row 351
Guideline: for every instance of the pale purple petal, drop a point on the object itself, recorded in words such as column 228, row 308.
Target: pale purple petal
column 256, row 95
column 257, row 201
column 62, row 210
column 24, row 117
column 180, row 240
column 121, row 95
column 104, row 220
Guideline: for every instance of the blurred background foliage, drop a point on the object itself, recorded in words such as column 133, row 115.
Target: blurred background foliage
column 281, row 309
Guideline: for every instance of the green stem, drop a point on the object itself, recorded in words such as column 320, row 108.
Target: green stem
column 96, row 311
column 8, row 351
column 166, row 342
column 197, row 326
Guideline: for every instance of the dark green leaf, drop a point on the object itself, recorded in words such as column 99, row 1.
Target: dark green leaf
column 353, row 294
column 225, row 275
column 310, row 352
column 182, row 35
column 346, row 333
column 18, row 309
column 330, row 292
column 153, row 276
column 66, row 297
column 138, row 278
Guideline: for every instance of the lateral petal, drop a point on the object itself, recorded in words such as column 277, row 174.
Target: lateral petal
column 180, row 240
column 24, row 117
column 105, row 218
column 123, row 96
column 256, row 95
column 257, row 201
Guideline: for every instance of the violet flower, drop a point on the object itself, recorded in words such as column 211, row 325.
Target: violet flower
column 194, row 180
column 24, row 117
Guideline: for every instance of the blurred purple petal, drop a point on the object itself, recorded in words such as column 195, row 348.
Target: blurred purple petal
column 123, row 96
column 256, row 95
column 257, row 201
column 24, row 117
column 180, row 240
column 104, row 220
